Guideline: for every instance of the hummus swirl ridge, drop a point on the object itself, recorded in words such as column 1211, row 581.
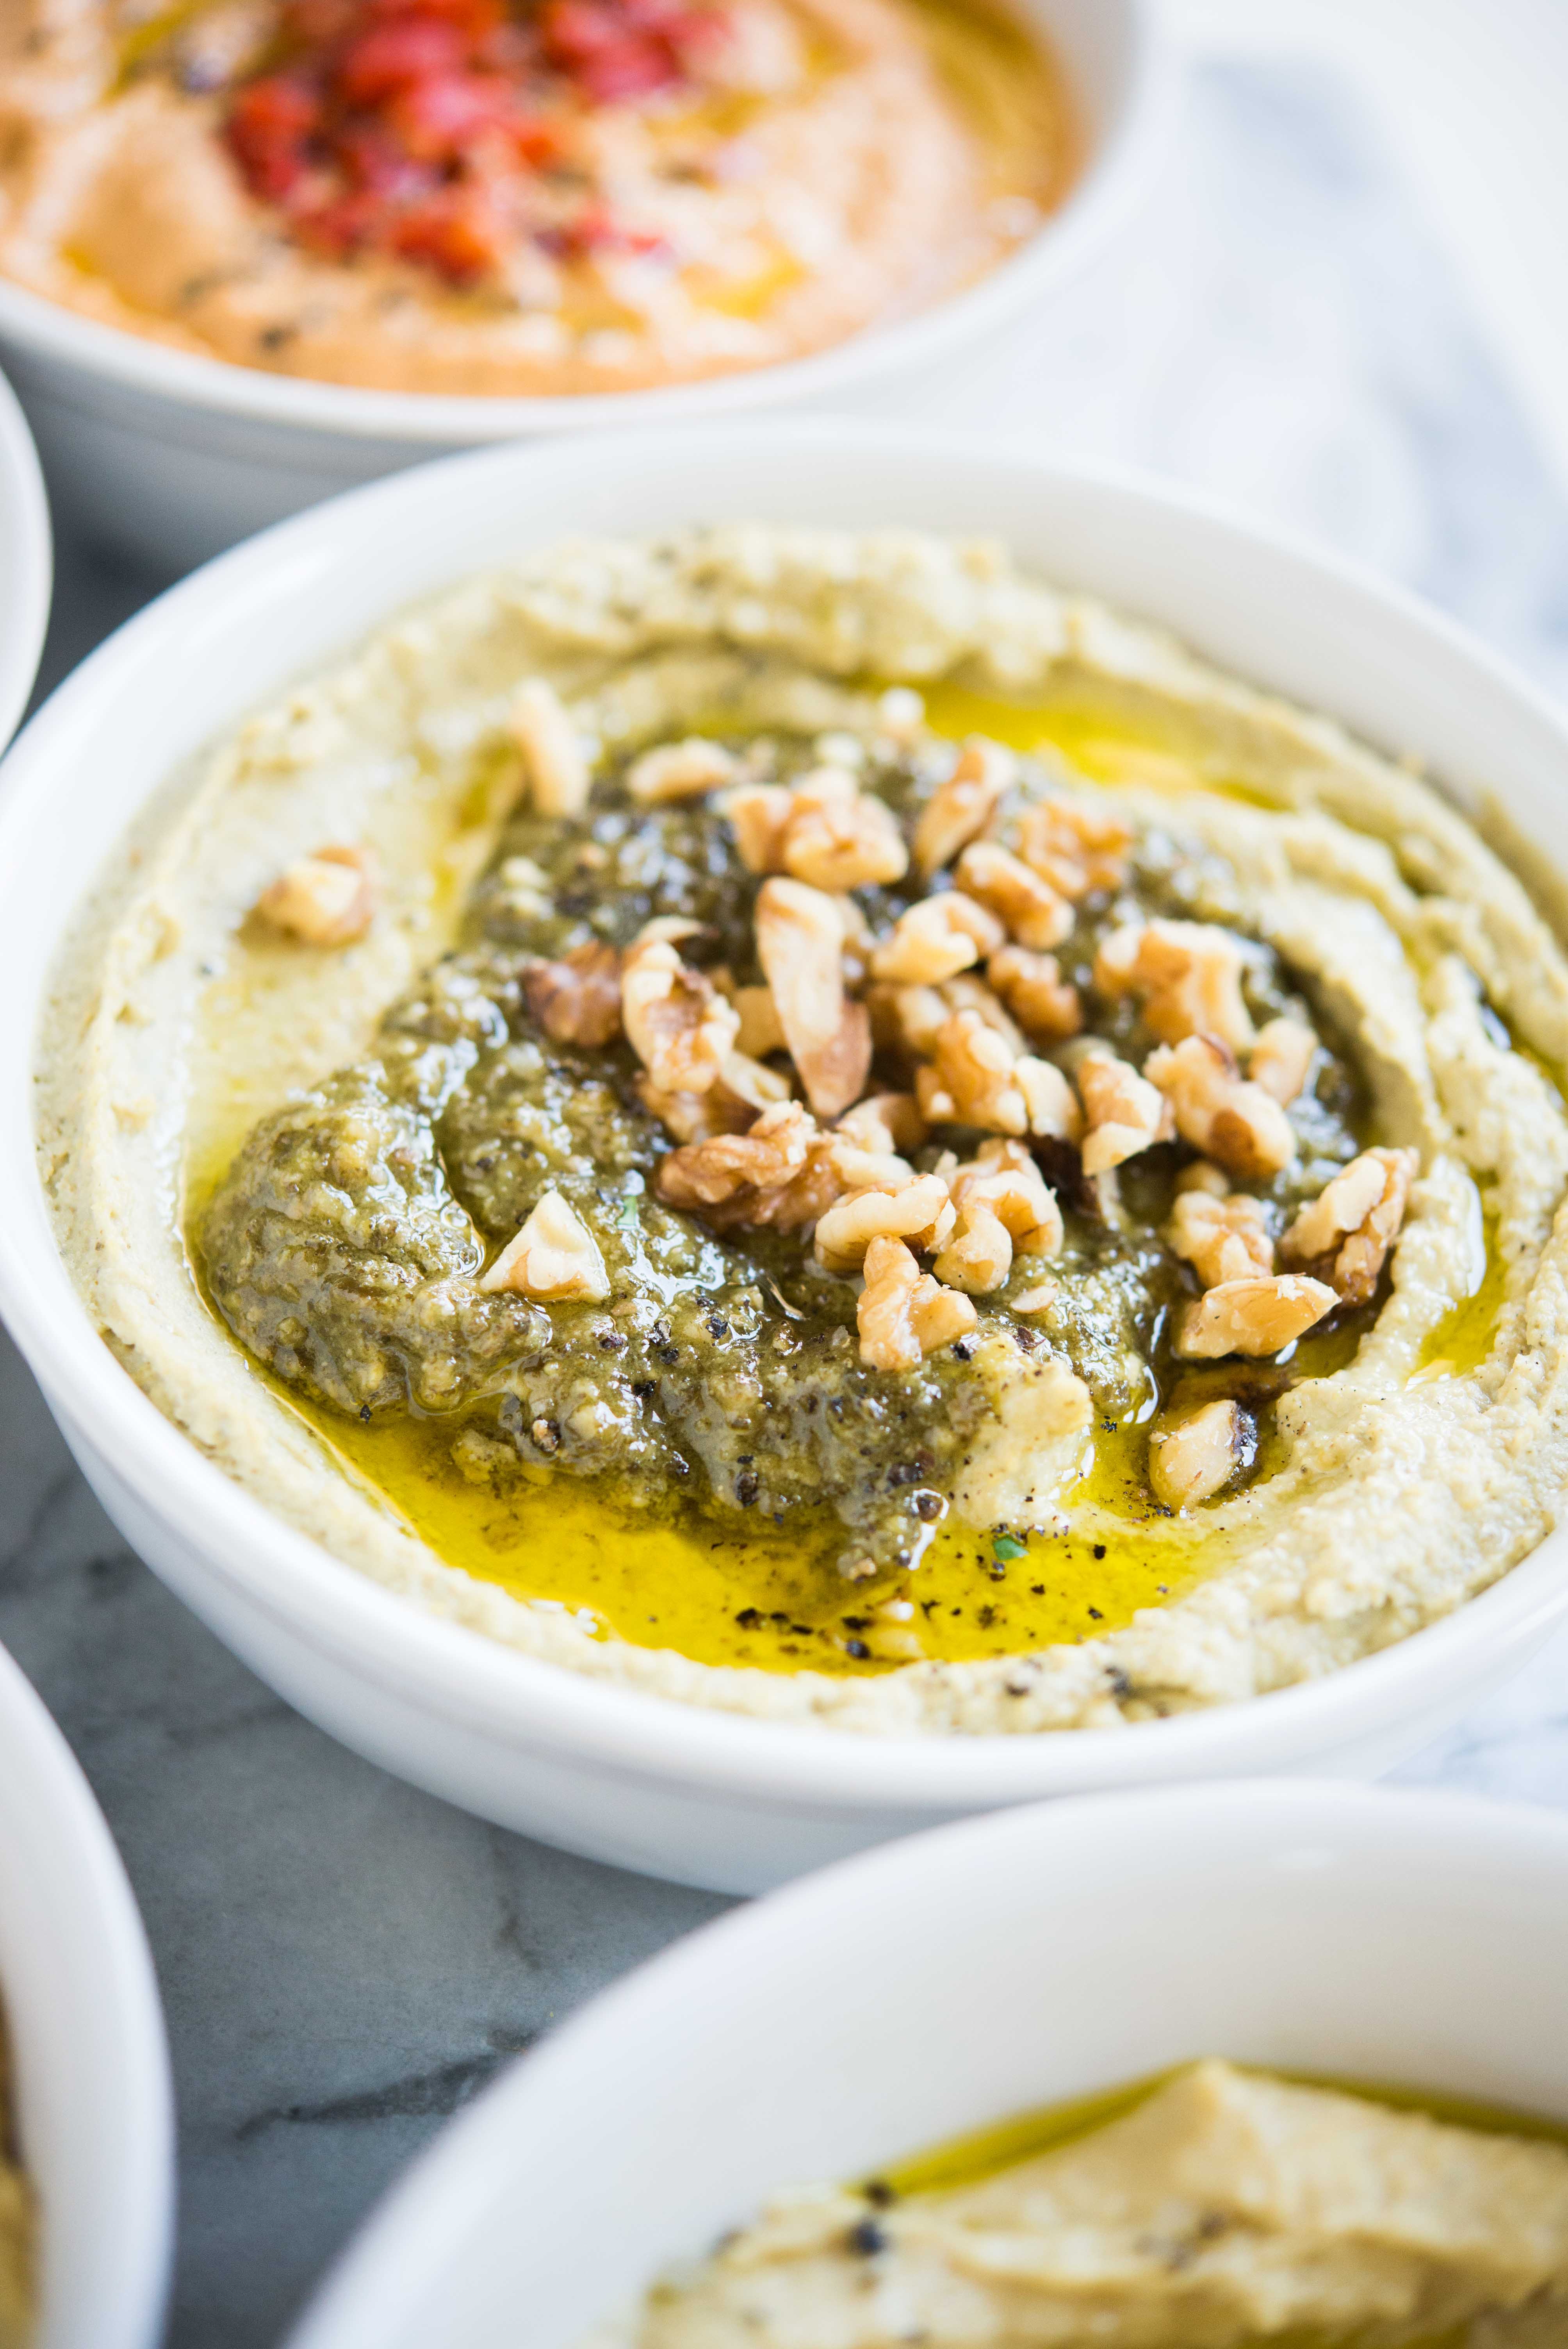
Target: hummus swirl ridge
column 1408, row 1474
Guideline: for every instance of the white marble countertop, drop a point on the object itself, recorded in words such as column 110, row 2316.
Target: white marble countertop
column 345, row 1960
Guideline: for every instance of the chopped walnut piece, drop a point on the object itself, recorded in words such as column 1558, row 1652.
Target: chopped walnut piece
column 967, row 993
column 1193, row 1454
column 1031, row 985
column 679, row 771
column 695, row 1117
column 960, row 809
column 1345, row 1235
column 1218, row 1111
column 1005, row 1179
column 839, row 837
column 975, row 1070
column 903, row 1314
column 1203, row 1176
column 678, row 1027
column 887, row 1122
column 1037, row 1299
column 326, row 899
column 1282, row 1058
column 752, row 1081
column 1221, row 1238
column 921, row 1212
column 977, row 1254
column 1033, row 912
column 937, row 939
column 577, row 1000
column 759, row 813
column 759, row 1032
column 1255, row 1316
column 1075, row 847
column 800, row 939
column 1049, row 1100
column 1123, row 1113
column 1189, row 974
column 710, row 1173
column 541, row 725
column 555, row 1257
column 905, row 1020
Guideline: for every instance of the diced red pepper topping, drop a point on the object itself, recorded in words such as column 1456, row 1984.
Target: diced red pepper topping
column 399, row 126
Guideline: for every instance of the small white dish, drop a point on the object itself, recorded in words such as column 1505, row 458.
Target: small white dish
column 172, row 457
column 955, row 1980
column 90, row 2066
column 27, row 563
column 705, row 1797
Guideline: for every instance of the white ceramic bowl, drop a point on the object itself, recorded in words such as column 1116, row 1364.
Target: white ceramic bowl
column 94, row 2107
column 26, row 565
column 706, row 1797
column 997, row 1966
column 176, row 457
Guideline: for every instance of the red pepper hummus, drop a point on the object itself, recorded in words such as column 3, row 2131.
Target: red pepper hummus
column 516, row 196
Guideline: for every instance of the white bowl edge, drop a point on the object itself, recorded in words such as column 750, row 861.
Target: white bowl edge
column 785, row 2032
column 26, row 561
column 91, row 2063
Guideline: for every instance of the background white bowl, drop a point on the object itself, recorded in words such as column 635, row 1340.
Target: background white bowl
column 174, row 457
column 94, row 2105
column 705, row 1797
column 26, row 563
column 997, row 1966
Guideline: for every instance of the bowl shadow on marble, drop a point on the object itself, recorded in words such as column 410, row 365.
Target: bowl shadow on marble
column 701, row 1797
column 955, row 1980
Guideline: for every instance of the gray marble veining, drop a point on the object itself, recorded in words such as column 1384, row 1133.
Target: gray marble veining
column 344, row 1961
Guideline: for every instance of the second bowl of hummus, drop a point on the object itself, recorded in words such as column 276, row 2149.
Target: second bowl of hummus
column 251, row 254
column 832, row 1166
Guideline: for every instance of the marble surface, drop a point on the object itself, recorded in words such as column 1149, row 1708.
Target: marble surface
column 344, row 1961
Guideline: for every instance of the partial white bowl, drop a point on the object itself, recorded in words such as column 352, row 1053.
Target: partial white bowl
column 94, row 2106
column 1007, row 1965
column 705, row 1797
column 173, row 458
column 27, row 563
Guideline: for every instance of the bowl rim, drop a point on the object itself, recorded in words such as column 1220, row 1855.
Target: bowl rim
column 134, row 2100
column 474, row 1683
column 1123, row 155
column 407, row 2237
column 29, row 562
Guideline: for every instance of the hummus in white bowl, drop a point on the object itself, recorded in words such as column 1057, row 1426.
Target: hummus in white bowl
column 1213, row 1049
column 519, row 198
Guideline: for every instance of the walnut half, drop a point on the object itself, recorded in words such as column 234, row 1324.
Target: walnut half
column 1218, row 1111
column 577, row 1000
column 1255, row 1316
column 1193, row 1454
column 555, row 1257
column 903, row 1314
column 1345, row 1235
column 326, row 899
column 800, row 943
column 680, row 1029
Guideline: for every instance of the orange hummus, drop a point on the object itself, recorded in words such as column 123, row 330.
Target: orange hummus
column 516, row 196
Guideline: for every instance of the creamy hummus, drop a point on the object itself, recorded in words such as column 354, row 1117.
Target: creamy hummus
column 1224, row 2210
column 938, row 1330
column 500, row 197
